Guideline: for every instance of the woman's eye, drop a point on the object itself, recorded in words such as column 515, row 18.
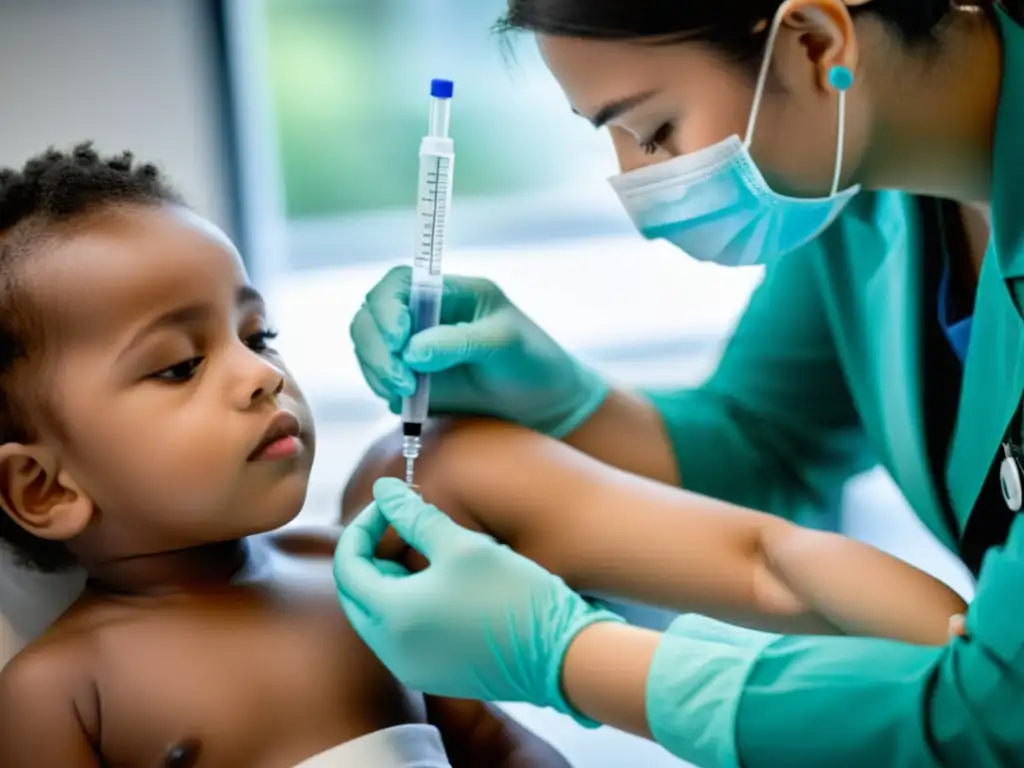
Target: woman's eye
column 657, row 141
column 257, row 342
column 179, row 372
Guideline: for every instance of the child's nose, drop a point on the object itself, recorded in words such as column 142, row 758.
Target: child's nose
column 265, row 381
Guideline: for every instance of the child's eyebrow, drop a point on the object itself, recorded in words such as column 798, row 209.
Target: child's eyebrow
column 246, row 297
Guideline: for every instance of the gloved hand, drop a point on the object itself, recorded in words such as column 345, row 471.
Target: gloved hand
column 486, row 357
column 481, row 622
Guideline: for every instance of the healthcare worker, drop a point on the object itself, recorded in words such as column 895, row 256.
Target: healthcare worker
column 888, row 325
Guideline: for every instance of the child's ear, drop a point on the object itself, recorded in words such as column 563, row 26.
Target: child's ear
column 39, row 496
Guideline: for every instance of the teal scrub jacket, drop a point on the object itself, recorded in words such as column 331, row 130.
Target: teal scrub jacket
column 825, row 370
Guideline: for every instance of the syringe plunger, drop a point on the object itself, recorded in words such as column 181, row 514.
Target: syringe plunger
column 441, row 92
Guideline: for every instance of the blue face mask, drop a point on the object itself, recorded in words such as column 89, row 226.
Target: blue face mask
column 715, row 205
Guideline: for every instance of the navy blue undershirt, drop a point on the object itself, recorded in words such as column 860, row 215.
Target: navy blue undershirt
column 957, row 327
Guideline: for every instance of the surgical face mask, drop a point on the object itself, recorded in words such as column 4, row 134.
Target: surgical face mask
column 715, row 205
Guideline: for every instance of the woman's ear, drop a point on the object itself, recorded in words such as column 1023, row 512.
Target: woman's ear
column 39, row 496
column 827, row 34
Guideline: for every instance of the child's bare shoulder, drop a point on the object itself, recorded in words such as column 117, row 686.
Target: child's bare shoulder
column 66, row 652
column 58, row 662
column 47, row 695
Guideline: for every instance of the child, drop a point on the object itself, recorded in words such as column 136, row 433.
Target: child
column 150, row 434
column 608, row 532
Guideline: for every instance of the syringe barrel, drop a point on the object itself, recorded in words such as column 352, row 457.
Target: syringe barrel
column 437, row 160
column 425, row 308
column 437, row 164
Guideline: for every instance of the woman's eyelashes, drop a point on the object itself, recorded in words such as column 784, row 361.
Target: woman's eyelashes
column 185, row 370
column 658, row 139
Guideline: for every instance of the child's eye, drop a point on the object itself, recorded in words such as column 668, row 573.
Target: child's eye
column 180, row 372
column 257, row 342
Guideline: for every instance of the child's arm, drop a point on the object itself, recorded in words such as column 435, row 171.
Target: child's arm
column 606, row 531
column 39, row 722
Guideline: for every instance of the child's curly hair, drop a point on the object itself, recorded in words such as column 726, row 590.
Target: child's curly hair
column 50, row 192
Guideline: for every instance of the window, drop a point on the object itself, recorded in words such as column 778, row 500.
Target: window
column 332, row 104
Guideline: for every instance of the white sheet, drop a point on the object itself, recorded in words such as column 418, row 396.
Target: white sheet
column 404, row 746
column 30, row 602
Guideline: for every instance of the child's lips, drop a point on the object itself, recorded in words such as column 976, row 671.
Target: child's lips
column 281, row 439
column 287, row 447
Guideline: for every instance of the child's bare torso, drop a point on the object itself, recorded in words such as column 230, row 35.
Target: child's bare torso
column 264, row 673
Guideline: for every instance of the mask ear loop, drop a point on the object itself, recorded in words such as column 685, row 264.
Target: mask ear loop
column 762, row 76
column 839, row 77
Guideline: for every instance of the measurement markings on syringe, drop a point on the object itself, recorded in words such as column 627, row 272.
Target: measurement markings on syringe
column 432, row 243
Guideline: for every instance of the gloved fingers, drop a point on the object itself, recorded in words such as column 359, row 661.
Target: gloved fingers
column 458, row 288
column 376, row 384
column 391, row 568
column 957, row 625
column 447, row 346
column 357, row 617
column 423, row 526
column 376, row 359
column 362, row 536
column 356, row 570
column 388, row 389
column 388, row 304
column 437, row 349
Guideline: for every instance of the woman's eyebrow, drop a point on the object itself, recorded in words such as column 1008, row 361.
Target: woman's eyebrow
column 617, row 108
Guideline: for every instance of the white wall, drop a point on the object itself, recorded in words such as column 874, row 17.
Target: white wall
column 129, row 74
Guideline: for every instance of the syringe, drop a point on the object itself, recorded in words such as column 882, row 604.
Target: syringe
column 437, row 158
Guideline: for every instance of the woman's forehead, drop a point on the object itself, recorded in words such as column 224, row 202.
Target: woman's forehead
column 597, row 73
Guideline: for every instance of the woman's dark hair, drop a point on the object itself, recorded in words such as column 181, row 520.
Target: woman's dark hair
column 736, row 27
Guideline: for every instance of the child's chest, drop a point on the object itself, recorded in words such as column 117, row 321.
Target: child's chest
column 235, row 685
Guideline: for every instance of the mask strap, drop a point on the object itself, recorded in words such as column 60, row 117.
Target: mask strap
column 762, row 78
column 840, row 131
column 840, row 78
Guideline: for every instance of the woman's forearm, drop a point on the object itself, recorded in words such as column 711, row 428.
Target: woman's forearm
column 610, row 532
column 604, row 675
column 627, row 432
column 860, row 589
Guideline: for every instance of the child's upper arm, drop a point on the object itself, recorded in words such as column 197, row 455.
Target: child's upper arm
column 39, row 720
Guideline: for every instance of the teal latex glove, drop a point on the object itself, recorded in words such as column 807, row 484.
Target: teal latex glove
column 485, row 358
column 481, row 622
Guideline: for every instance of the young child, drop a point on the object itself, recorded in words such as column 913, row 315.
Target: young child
column 150, row 434
column 610, row 533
